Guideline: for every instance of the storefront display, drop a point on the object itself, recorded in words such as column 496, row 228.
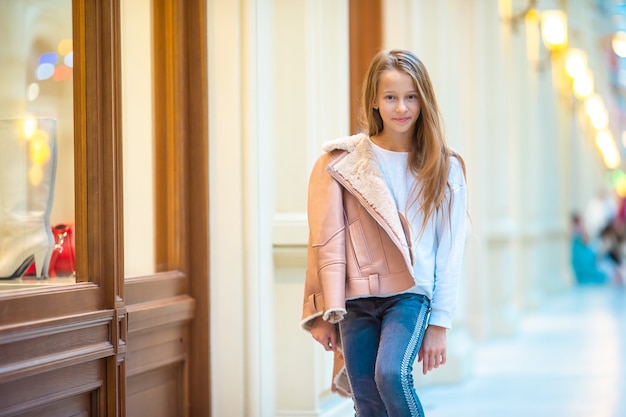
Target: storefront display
column 28, row 159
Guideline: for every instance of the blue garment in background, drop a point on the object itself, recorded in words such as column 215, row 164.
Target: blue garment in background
column 585, row 263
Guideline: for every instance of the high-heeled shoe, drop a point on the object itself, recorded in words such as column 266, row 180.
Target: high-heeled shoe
column 23, row 244
column 25, row 202
column 22, row 268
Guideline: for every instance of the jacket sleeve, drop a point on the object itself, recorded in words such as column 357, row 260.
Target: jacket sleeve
column 324, row 289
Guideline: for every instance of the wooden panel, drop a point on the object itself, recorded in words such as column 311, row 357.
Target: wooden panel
column 157, row 347
column 42, row 346
column 157, row 393
column 76, row 406
column 159, row 312
column 161, row 285
column 158, row 332
column 365, row 42
column 27, row 305
column 69, row 391
column 157, row 359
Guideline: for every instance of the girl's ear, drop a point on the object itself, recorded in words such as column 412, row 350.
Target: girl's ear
column 375, row 105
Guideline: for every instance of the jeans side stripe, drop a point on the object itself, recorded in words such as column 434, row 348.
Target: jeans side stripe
column 416, row 339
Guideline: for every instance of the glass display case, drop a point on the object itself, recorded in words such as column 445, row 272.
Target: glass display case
column 36, row 144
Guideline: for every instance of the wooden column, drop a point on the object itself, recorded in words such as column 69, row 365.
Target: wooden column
column 365, row 41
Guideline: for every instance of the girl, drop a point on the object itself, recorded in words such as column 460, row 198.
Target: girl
column 387, row 216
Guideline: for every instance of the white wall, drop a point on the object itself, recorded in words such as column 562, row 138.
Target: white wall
column 138, row 137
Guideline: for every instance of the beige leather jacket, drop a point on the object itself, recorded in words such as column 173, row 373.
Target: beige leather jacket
column 359, row 244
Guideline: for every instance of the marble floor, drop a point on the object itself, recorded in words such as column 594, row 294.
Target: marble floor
column 567, row 360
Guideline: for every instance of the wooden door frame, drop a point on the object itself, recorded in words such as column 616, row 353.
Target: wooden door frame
column 181, row 169
column 98, row 172
column 365, row 41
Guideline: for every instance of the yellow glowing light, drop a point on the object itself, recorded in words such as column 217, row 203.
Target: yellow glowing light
column 618, row 43
column 30, row 126
column 606, row 145
column 597, row 112
column 576, row 63
column 554, row 29
column 39, row 148
column 583, row 85
column 533, row 15
column 65, row 47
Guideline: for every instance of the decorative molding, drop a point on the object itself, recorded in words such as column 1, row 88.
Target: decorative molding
column 158, row 286
column 59, row 392
column 159, row 312
column 45, row 345
column 290, row 229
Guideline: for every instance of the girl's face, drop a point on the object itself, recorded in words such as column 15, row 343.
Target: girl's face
column 398, row 104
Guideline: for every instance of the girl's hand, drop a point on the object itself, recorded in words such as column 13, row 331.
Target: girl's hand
column 433, row 349
column 325, row 333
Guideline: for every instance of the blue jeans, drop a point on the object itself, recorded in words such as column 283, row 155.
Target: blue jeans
column 381, row 338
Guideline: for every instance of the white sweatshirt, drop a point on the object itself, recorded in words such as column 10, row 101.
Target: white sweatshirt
column 438, row 251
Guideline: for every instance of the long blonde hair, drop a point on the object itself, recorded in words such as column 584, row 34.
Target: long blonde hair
column 429, row 156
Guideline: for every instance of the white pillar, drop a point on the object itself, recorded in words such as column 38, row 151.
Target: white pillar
column 477, row 110
column 258, row 185
column 241, row 195
column 226, row 211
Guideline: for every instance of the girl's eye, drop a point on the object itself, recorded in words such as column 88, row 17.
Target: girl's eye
column 389, row 97
column 413, row 97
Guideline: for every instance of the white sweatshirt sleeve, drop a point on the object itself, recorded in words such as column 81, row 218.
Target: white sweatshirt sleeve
column 450, row 247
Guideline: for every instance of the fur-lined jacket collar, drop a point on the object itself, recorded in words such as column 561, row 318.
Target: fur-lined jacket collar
column 357, row 169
